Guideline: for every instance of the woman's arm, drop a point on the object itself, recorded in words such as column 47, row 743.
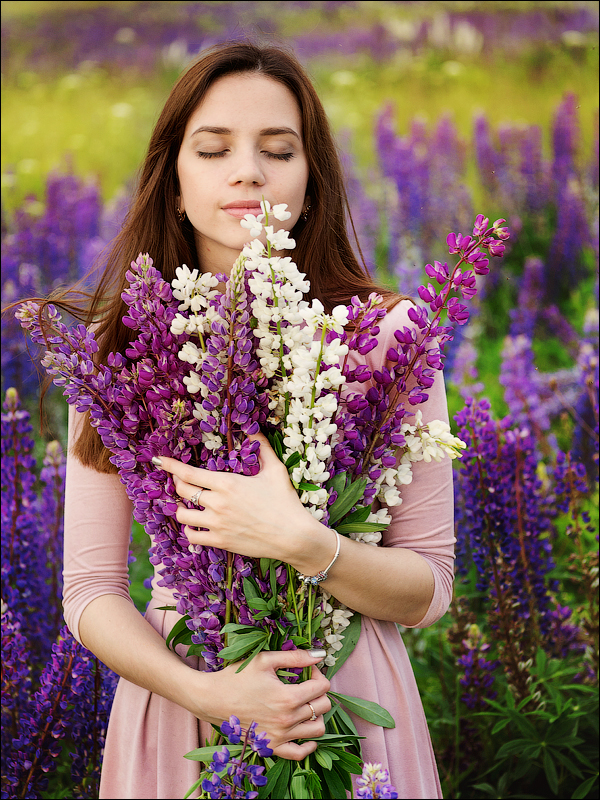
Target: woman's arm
column 408, row 580
column 116, row 632
column 261, row 516
column 100, row 614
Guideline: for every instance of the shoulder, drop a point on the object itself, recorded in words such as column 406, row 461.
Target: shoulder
column 396, row 318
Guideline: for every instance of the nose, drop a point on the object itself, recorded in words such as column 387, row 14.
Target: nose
column 246, row 168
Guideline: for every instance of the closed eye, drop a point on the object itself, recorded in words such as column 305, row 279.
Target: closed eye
column 221, row 153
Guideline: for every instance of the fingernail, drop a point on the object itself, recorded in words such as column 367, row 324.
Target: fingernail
column 156, row 461
column 317, row 653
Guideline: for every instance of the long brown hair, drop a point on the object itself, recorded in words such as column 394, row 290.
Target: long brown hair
column 323, row 250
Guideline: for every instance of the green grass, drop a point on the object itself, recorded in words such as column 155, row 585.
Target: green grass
column 99, row 123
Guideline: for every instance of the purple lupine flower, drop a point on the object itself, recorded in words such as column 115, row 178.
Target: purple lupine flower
column 16, row 674
column 535, row 398
column 225, row 776
column 503, row 520
column 54, row 712
column 375, row 783
column 27, row 569
column 41, row 253
column 478, row 678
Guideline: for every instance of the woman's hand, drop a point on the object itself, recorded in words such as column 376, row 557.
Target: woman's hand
column 258, row 516
column 282, row 710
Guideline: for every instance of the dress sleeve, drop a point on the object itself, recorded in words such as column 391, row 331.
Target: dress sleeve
column 424, row 521
column 98, row 516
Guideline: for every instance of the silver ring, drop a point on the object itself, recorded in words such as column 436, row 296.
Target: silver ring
column 196, row 498
column 314, row 714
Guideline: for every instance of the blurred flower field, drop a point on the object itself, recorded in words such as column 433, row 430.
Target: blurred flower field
column 442, row 110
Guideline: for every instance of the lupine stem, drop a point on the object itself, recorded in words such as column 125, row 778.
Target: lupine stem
column 49, row 719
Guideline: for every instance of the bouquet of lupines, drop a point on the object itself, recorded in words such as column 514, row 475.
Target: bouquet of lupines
column 207, row 370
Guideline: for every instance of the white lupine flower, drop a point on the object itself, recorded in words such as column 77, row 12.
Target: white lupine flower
column 340, row 315
column 391, row 497
column 190, row 353
column 280, row 240
column 179, row 325
column 280, row 213
column 253, row 223
column 184, row 279
column 334, row 641
column 193, row 383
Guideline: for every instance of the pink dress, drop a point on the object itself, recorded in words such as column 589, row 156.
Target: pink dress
column 149, row 735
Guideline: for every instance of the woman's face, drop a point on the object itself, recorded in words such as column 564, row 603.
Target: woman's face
column 242, row 143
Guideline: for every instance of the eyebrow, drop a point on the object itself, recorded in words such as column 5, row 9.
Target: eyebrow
column 228, row 131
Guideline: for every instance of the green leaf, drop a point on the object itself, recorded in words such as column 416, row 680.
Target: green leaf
column 276, row 441
column 323, row 757
column 273, row 774
column 308, row 487
column 195, row 650
column 177, row 632
column 242, row 645
column 233, row 627
column 344, row 720
column 259, row 603
column 550, row 771
column 337, row 484
column 346, row 499
column 569, row 763
column 265, row 563
column 502, row 723
column 335, row 786
column 345, row 528
column 293, row 460
column 360, row 515
column 193, row 787
column 366, row 709
column 485, row 787
column 205, row 754
column 298, row 788
column 281, row 785
column 515, row 746
column 251, row 590
column 585, row 788
column 351, row 636
column 255, row 652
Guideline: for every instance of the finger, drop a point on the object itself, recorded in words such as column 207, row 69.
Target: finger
column 294, row 751
column 194, row 476
column 276, row 659
column 266, row 452
column 199, row 495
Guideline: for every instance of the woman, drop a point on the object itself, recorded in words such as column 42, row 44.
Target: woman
column 245, row 123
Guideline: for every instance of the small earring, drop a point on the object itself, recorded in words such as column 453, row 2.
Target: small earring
column 180, row 214
column 305, row 211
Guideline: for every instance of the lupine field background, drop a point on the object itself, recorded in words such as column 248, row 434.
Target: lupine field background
column 442, row 110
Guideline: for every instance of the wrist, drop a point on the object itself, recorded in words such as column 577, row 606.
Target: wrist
column 319, row 546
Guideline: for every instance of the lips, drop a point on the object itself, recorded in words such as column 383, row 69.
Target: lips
column 239, row 208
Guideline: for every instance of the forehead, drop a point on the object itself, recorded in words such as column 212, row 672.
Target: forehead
column 247, row 101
